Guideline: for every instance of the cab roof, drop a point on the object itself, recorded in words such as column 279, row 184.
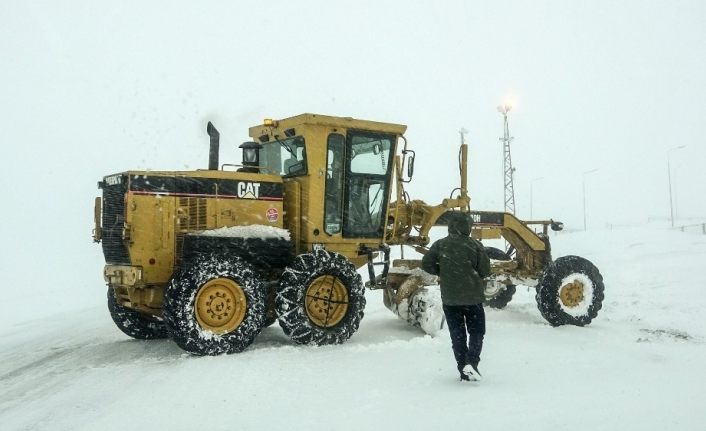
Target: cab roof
column 269, row 126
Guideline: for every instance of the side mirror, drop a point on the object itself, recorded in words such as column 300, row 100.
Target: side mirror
column 557, row 226
column 410, row 165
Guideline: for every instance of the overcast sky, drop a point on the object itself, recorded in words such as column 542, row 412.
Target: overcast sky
column 91, row 88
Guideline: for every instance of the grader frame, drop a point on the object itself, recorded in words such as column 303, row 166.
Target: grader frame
column 182, row 262
column 530, row 250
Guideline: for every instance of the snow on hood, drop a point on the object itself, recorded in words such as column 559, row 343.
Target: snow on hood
column 252, row 231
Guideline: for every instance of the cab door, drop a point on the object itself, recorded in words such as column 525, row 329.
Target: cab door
column 358, row 171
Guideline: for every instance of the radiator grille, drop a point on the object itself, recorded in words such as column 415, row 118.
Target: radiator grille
column 113, row 221
column 195, row 210
column 193, row 217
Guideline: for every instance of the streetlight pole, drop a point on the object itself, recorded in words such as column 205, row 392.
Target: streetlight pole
column 532, row 194
column 669, row 178
column 584, row 195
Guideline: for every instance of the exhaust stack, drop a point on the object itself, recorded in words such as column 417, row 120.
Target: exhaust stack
column 213, row 151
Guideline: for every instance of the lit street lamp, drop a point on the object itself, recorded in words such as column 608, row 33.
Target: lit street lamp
column 669, row 177
column 531, row 194
column 584, row 195
column 504, row 109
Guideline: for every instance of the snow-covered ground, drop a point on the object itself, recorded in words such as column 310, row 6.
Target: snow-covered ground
column 639, row 365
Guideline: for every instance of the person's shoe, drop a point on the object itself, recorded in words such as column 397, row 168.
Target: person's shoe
column 464, row 378
column 472, row 373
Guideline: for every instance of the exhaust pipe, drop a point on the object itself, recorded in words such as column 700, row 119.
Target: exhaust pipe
column 213, row 152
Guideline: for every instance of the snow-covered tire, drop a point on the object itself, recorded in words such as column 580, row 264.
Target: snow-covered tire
column 214, row 305
column 270, row 309
column 134, row 323
column 269, row 321
column 320, row 299
column 500, row 300
column 570, row 292
column 496, row 254
column 503, row 298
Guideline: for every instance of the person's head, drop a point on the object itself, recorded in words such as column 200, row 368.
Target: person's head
column 460, row 223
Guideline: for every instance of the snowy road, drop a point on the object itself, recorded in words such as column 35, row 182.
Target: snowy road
column 638, row 366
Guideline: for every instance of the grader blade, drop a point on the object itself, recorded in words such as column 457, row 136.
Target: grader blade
column 414, row 296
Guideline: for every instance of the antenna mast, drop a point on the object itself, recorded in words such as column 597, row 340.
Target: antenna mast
column 507, row 162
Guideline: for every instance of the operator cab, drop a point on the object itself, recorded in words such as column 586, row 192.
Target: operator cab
column 357, row 178
column 337, row 173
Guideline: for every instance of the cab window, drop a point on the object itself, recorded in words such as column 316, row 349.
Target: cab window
column 334, row 188
column 367, row 183
column 286, row 158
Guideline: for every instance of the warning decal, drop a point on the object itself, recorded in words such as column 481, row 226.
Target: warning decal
column 272, row 215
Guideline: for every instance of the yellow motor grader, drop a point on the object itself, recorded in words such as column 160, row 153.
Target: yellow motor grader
column 210, row 257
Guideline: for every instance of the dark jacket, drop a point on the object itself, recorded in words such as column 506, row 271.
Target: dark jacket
column 460, row 262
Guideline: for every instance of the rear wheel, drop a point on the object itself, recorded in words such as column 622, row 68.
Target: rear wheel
column 134, row 323
column 570, row 292
column 321, row 299
column 214, row 305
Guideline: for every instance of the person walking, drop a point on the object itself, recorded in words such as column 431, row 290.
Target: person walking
column 461, row 264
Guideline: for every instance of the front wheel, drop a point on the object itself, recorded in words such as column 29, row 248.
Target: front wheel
column 321, row 299
column 570, row 292
column 498, row 294
column 214, row 305
column 502, row 298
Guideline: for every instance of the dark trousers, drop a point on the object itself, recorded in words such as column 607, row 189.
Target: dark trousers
column 466, row 345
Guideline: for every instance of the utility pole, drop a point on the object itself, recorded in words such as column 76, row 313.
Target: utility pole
column 507, row 162
column 532, row 194
column 669, row 178
column 584, row 195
